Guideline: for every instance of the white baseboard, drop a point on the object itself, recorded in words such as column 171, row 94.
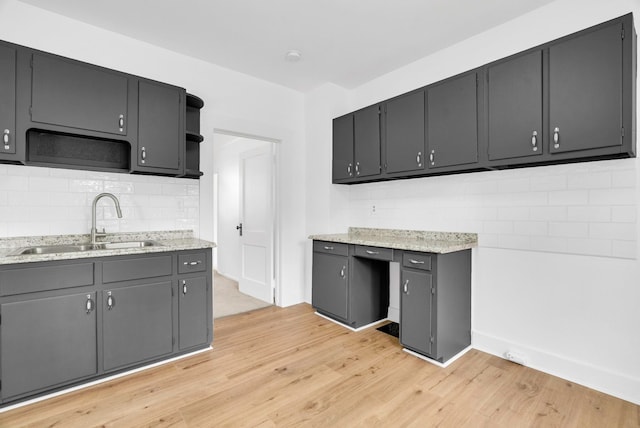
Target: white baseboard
column 99, row 381
column 594, row 377
column 350, row 328
column 438, row 363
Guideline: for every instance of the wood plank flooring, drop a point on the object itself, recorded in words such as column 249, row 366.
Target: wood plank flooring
column 288, row 367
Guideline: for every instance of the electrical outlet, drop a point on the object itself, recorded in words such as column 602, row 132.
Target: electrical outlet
column 373, row 210
column 516, row 357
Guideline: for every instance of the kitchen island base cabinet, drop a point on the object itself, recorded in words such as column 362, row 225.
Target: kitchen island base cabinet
column 47, row 342
column 435, row 304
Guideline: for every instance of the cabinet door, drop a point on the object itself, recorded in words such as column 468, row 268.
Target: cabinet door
column 515, row 107
column 415, row 310
column 404, row 125
column 193, row 312
column 7, row 99
column 77, row 95
column 343, row 148
column 452, row 122
column 47, row 342
column 330, row 284
column 585, row 91
column 160, row 126
column 137, row 324
column 366, row 124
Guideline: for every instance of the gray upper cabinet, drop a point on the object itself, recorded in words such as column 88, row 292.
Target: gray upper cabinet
column 366, row 123
column 137, row 324
column 342, row 148
column 7, row 99
column 47, row 342
column 452, row 122
column 514, row 91
column 161, row 135
column 404, row 143
column 77, row 95
column 585, row 90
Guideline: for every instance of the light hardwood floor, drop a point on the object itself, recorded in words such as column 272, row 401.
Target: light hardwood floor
column 289, row 367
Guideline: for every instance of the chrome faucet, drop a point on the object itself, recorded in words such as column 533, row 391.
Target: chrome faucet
column 94, row 232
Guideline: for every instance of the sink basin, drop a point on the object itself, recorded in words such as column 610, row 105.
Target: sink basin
column 51, row 249
column 127, row 244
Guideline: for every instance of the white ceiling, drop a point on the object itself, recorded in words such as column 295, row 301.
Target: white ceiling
column 346, row 42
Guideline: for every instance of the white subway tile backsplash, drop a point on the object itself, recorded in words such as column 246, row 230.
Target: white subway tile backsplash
column 534, row 228
column 549, row 213
column 569, row 197
column 513, row 213
column 593, row 180
column 613, row 197
column 589, row 213
column 624, row 178
column 618, row 231
column 547, row 183
column 624, row 214
column 548, row 244
column 569, row 230
column 592, row 247
column 624, row 249
column 49, row 201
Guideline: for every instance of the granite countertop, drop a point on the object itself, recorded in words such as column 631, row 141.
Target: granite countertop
column 174, row 240
column 414, row 240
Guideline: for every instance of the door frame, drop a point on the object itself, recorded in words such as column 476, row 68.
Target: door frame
column 275, row 203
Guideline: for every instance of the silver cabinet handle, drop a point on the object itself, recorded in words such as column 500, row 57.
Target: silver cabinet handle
column 419, row 159
column 405, row 287
column 342, row 271
column 534, row 141
column 357, row 168
column 111, row 302
column 5, row 138
column 416, row 262
column 184, row 287
column 193, row 263
column 372, row 252
column 143, row 154
column 556, row 138
column 432, row 157
column 121, row 122
column 89, row 304
column 326, row 247
column 349, row 170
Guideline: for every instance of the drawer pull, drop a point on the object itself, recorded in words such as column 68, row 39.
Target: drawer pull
column 89, row 305
column 192, row 263
column 416, row 262
column 111, row 302
column 372, row 252
column 326, row 247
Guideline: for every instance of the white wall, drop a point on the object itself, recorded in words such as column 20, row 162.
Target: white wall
column 556, row 273
column 233, row 101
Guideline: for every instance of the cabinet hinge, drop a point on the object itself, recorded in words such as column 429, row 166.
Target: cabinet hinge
column 433, row 290
column 431, row 339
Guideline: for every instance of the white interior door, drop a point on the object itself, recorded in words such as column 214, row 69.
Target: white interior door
column 256, row 219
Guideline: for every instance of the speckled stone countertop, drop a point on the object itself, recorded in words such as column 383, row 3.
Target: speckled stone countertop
column 174, row 240
column 414, row 240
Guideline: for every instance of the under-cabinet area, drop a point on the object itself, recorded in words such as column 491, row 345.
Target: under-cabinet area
column 59, row 112
column 569, row 100
column 351, row 285
column 66, row 322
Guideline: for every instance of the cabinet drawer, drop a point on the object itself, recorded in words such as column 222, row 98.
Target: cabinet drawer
column 192, row 262
column 331, row 248
column 374, row 252
column 45, row 278
column 416, row 260
column 136, row 268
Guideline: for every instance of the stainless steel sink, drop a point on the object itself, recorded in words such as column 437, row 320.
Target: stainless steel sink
column 52, row 249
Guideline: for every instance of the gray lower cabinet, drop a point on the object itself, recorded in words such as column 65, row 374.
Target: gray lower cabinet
column 435, row 304
column 192, row 312
column 136, row 324
column 67, row 322
column 47, row 342
column 330, row 276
